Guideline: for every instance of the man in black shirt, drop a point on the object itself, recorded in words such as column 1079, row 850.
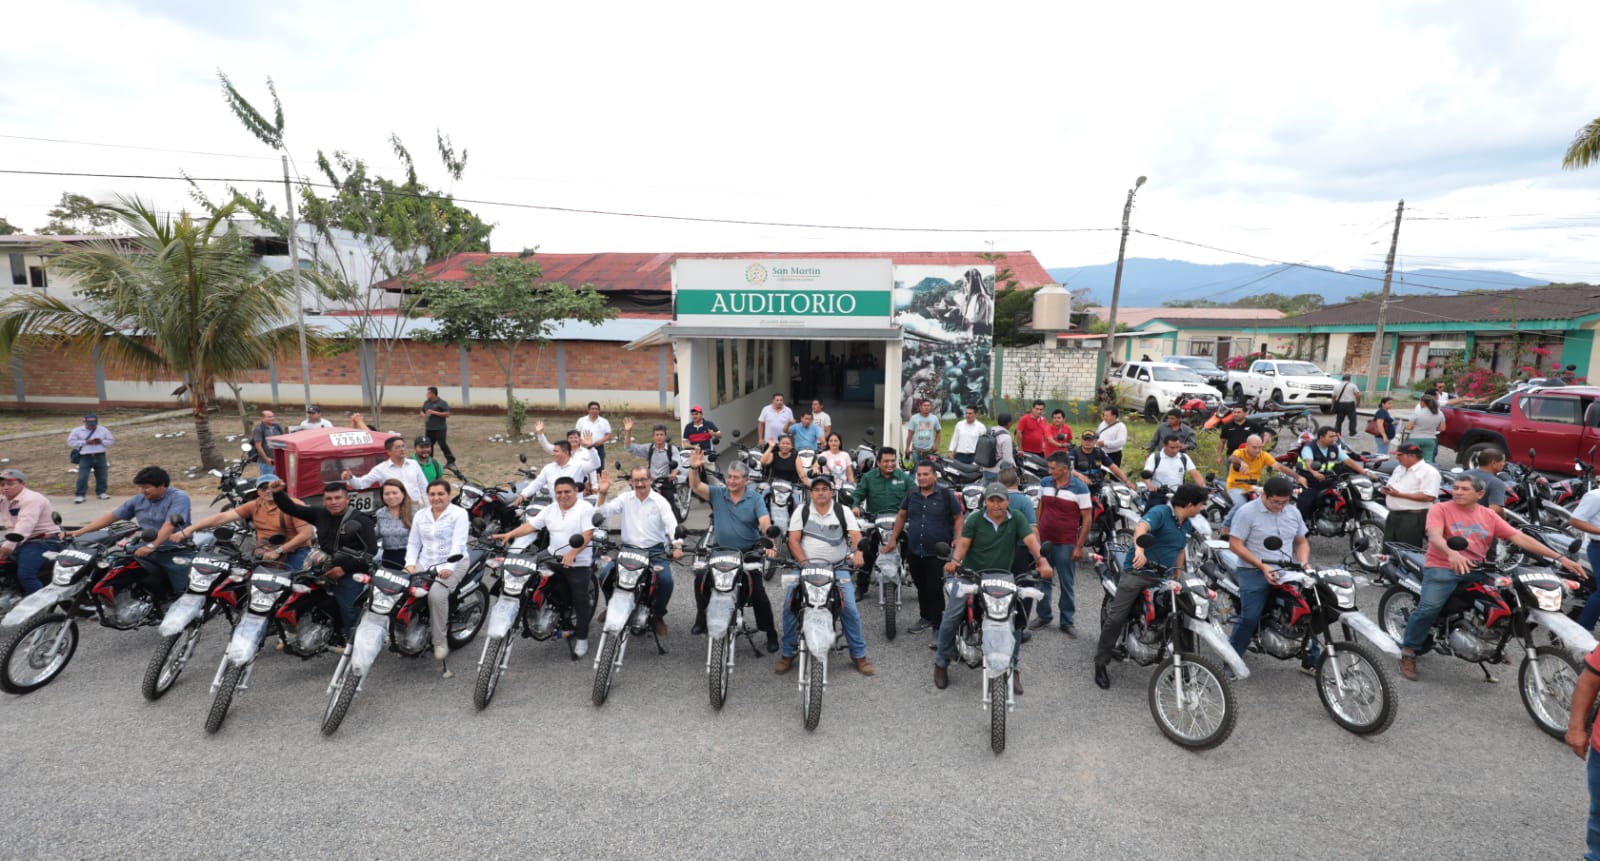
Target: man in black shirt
column 1091, row 463
column 1235, row 430
column 435, row 414
column 329, row 520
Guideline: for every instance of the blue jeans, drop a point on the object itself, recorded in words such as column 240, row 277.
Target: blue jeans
column 1383, row 446
column 848, row 614
column 954, row 608
column 264, row 467
column 662, row 562
column 958, row 457
column 1060, row 558
column 30, row 558
column 1253, row 591
column 346, row 591
column 177, row 575
column 100, row 465
column 1438, row 584
column 1591, row 608
column 1594, row 807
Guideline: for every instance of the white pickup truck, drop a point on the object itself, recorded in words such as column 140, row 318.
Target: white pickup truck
column 1285, row 381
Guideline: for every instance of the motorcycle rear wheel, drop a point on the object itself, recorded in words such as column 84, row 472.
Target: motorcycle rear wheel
column 339, row 702
column 603, row 669
column 812, row 699
column 891, row 604
column 494, row 656
column 18, row 658
column 466, row 619
column 1205, row 724
column 168, row 662
column 1551, row 711
column 1373, row 532
column 1394, row 610
column 224, row 697
column 999, row 688
column 1369, row 704
column 718, row 671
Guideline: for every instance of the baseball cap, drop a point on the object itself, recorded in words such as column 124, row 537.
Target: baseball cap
column 421, row 441
column 696, row 409
column 91, row 417
column 1409, row 448
column 822, row 480
column 1087, row 435
column 994, row 489
column 313, row 409
column 265, row 479
column 13, row 475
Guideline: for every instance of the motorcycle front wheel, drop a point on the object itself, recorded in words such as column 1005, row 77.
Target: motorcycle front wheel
column 171, row 656
column 811, row 697
column 224, row 697
column 891, row 604
column 29, row 659
column 1373, row 532
column 1367, row 701
column 999, row 688
column 1210, row 711
column 1394, row 611
column 494, row 657
column 466, row 619
column 603, row 668
column 718, row 669
column 1560, row 675
column 339, row 702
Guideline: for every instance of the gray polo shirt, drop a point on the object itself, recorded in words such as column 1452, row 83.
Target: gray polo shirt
column 1254, row 524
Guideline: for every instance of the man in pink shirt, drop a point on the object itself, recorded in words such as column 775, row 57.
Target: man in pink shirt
column 27, row 513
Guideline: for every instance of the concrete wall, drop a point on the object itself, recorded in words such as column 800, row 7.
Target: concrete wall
column 1059, row 374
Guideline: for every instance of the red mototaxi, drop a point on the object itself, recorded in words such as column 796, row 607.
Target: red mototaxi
column 308, row 459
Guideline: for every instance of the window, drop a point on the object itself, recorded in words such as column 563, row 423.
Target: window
column 721, row 375
column 36, row 277
column 1562, row 411
column 19, row 271
column 733, row 363
column 750, row 367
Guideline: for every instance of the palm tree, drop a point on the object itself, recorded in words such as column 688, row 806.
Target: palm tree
column 1585, row 148
column 176, row 298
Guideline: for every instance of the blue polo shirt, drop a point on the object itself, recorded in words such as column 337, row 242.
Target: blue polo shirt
column 1170, row 537
column 806, row 436
column 737, row 524
column 929, row 519
column 151, row 515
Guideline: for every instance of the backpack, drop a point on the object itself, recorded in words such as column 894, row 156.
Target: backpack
column 987, row 453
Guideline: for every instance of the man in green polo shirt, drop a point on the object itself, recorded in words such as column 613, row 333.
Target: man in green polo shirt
column 432, row 470
column 988, row 542
column 878, row 492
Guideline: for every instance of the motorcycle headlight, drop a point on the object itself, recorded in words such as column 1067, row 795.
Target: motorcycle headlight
column 817, row 594
column 261, row 601
column 1346, row 595
column 1547, row 599
column 1201, row 605
column 997, row 607
column 722, row 579
column 513, row 584
column 382, row 602
column 628, row 578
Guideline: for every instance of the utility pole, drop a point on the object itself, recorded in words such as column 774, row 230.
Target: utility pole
column 1116, row 284
column 299, row 300
column 1383, row 306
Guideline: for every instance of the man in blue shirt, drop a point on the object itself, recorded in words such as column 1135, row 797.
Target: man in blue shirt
column 1320, row 460
column 1168, row 525
column 806, row 434
column 152, row 509
column 929, row 514
column 739, row 520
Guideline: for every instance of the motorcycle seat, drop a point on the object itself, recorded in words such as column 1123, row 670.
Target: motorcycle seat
column 968, row 472
column 1410, row 557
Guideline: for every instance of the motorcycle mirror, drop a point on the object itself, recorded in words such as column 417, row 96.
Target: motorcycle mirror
column 735, row 434
column 679, row 532
column 55, row 516
column 176, row 520
column 1146, row 474
column 599, row 519
column 1360, row 545
column 870, row 432
column 1210, row 477
column 1273, row 542
column 941, row 549
column 576, row 540
column 1146, row 540
column 1531, row 454
column 1456, row 543
column 618, row 465
column 454, row 557
column 147, row 535
column 774, row 532
column 15, row 537
column 1575, row 546
column 521, row 457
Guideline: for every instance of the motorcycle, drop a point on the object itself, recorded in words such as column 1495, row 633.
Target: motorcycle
column 270, row 585
column 1350, row 506
column 866, row 454
column 1116, row 515
column 218, row 570
column 494, row 507
column 627, row 612
column 986, row 636
column 780, row 504
column 1489, row 609
column 816, row 604
column 233, row 489
column 525, row 602
column 39, row 635
column 733, row 576
column 1190, row 698
column 889, row 573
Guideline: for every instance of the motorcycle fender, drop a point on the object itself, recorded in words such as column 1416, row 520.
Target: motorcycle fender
column 370, row 636
column 38, row 602
column 998, row 641
column 246, row 639
column 1211, row 634
column 1369, row 631
column 719, row 614
column 1378, row 510
column 618, row 609
column 1573, row 637
column 1029, row 593
column 181, row 613
column 503, row 615
column 818, row 628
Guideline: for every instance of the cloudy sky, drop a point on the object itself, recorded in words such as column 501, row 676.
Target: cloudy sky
column 1287, row 131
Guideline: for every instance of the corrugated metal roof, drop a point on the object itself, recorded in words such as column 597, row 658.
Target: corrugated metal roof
column 1564, row 302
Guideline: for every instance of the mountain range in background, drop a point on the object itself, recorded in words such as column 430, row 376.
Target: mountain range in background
column 1149, row 282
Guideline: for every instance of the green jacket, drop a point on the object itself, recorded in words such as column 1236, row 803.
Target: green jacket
column 878, row 495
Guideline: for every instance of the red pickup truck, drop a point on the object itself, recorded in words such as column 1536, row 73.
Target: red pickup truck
column 1561, row 426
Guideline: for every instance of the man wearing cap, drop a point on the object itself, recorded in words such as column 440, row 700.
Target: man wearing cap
column 265, row 429
column 436, row 413
column 313, row 420
column 702, row 434
column 1320, row 460
column 988, row 542
column 328, row 520
column 1090, row 463
column 89, row 444
column 432, row 469
column 1412, row 489
column 27, row 513
column 821, row 533
column 269, row 522
column 565, row 464
column 397, row 466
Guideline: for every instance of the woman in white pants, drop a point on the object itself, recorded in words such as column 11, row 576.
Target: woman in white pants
column 437, row 533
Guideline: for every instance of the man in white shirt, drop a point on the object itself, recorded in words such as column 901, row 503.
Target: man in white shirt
column 579, row 447
column 774, row 421
column 1112, row 433
column 1168, row 467
column 1412, row 489
column 568, row 517
column 313, row 420
column 565, row 465
column 822, row 421
column 964, row 437
column 397, row 466
column 648, row 524
column 598, row 430
column 826, row 534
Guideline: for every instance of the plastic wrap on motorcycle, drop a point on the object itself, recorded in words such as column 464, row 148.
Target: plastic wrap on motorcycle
column 1211, row 634
column 371, row 633
column 39, row 601
column 999, row 639
column 503, row 615
column 618, row 609
column 1377, row 636
column 819, row 632
column 181, row 613
column 1578, row 642
column 246, row 639
column 719, row 614
column 1376, row 509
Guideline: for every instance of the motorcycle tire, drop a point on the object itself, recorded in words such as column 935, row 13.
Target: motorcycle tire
column 891, row 604
column 171, row 656
column 685, row 496
column 339, row 702
column 494, row 656
column 466, row 619
column 224, row 697
column 999, row 689
column 1552, row 711
column 1394, row 609
column 717, row 671
column 1298, row 424
column 1193, row 734
column 28, row 638
column 1367, row 559
column 812, row 699
column 1358, row 664
column 604, row 668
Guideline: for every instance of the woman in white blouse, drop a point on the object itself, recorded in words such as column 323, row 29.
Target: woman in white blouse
column 437, row 533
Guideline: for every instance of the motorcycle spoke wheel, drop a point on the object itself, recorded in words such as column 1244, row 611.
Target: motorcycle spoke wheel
column 603, row 669
column 29, row 659
column 813, row 694
column 1210, row 710
column 891, row 604
column 224, row 697
column 1366, row 702
column 494, row 657
column 1394, row 611
column 339, row 704
column 168, row 662
column 467, row 619
column 1368, row 558
column 1559, row 673
column 999, row 687
column 718, row 671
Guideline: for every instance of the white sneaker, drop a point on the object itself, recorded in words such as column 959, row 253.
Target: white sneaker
column 441, row 652
column 581, row 649
column 105, row 496
column 77, row 499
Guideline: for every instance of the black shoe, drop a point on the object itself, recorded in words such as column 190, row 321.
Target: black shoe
column 772, row 641
column 919, row 627
column 1070, row 630
column 1102, row 679
column 698, row 628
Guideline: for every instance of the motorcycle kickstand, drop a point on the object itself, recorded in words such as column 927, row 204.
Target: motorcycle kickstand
column 1487, row 676
column 749, row 634
column 660, row 649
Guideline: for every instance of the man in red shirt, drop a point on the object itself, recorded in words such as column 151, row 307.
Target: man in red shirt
column 1031, row 430
column 1064, row 512
column 1058, row 435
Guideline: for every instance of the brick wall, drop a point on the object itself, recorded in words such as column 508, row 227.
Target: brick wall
column 50, row 373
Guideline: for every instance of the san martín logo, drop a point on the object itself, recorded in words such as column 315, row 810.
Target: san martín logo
column 756, row 274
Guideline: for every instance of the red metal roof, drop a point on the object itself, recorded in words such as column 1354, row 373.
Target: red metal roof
column 652, row 273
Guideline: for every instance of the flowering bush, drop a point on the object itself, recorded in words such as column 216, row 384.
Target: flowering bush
column 1240, row 362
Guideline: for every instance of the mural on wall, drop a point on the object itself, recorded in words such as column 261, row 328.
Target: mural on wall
column 947, row 314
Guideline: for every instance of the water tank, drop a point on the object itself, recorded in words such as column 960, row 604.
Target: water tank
column 1052, row 308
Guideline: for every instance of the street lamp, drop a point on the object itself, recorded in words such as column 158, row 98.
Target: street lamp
column 1116, row 283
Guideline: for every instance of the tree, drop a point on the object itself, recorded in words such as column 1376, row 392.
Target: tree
column 1013, row 306
column 77, row 214
column 503, row 305
column 179, row 298
column 1584, row 149
column 7, row 228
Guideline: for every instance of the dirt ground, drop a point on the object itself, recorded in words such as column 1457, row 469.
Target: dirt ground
column 44, row 458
